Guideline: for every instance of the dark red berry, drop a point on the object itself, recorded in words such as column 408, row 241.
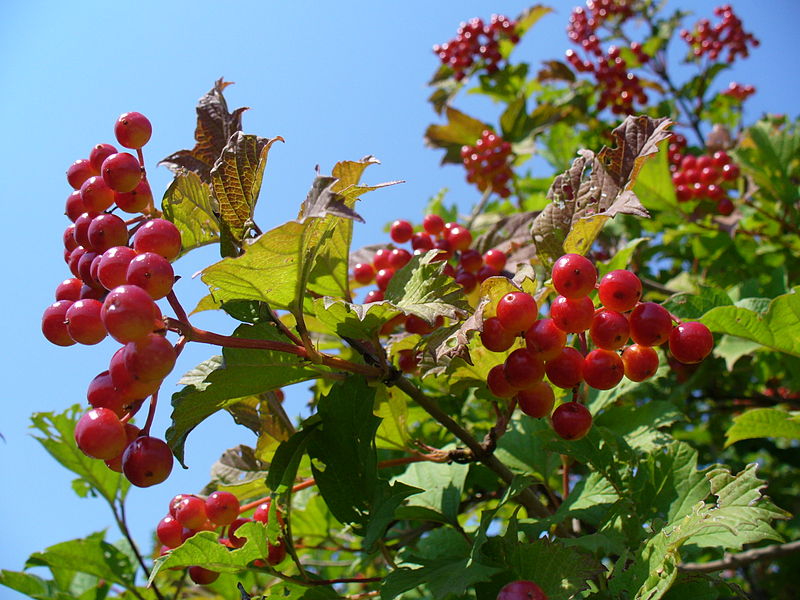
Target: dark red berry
column 537, row 400
column 495, row 337
column 566, row 369
column 54, row 323
column 620, row 290
column 572, row 315
column 147, row 461
column 651, row 324
column 521, row 590
column 571, row 420
column 602, row 369
column 401, row 231
column 689, row 342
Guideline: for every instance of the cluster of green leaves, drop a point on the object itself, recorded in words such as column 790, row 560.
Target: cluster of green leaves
column 665, row 480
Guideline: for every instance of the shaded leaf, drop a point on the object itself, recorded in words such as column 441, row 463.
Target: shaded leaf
column 442, row 486
column 460, row 130
column 189, row 204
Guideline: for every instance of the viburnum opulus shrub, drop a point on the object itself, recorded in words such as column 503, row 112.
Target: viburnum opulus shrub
column 565, row 392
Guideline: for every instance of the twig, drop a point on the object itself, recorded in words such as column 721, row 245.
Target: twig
column 740, row 559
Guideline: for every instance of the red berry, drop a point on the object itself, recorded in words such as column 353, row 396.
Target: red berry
column 433, row 224
column 620, row 290
column 122, row 172
column 602, row 369
column 537, row 400
column 150, row 358
column 132, row 388
column 609, row 330
column 421, row 242
column 545, row 340
column 571, row 420
column 74, row 207
column 574, row 276
column 466, row 280
column 498, row 384
column 237, row 542
column 517, row 311
column 640, row 362
column 566, row 369
column 80, row 171
column 373, row 296
column 147, row 461
column 383, row 277
column 106, row 231
column 84, row 323
column 521, row 590
column 408, row 361
column 522, row 369
column 81, row 230
column 401, row 231
column 99, row 153
column 363, row 273
column 103, row 394
column 169, row 532
column 496, row 259
column 399, row 258
column 202, row 576
column 191, row 512
column 418, row 325
column 69, row 289
column 158, row 236
column 651, row 324
column 54, row 323
column 135, row 201
column 495, row 337
column 381, row 259
column 129, row 314
column 131, row 433
column 96, row 195
column 133, row 130
column 459, row 237
column 151, row 272
column 100, row 434
column 112, row 270
column 690, row 342
column 572, row 315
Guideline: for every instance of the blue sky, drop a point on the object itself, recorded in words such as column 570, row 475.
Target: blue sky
column 336, row 80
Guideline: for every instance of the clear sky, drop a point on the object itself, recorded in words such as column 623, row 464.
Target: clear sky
column 338, row 80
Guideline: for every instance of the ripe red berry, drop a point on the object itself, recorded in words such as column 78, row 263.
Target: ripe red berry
column 150, row 358
column 103, row 394
column 571, row 420
column 191, row 512
column 373, row 296
column 363, row 273
column 96, row 195
column 381, row 259
column 640, row 362
column 566, row 369
column 521, row 590
column 537, row 400
column 602, row 369
column 522, row 369
column 131, row 433
column 122, row 172
column 408, row 360
column 84, row 323
column 574, row 276
column 496, row 259
column 572, row 315
column 158, row 236
column 620, row 290
column 383, row 278
column 133, row 130
column 399, row 258
column 498, row 384
column 81, row 231
column 112, row 270
column 466, row 280
column 74, row 207
column 147, row 461
column 169, row 532
column 106, row 231
column 495, row 337
column 401, row 231
column 609, row 330
column 99, row 153
column 459, row 237
column 129, row 314
column 433, row 224
column 651, row 324
column 54, row 323
column 151, row 272
column 544, row 339
column 236, row 541
column 69, row 289
column 202, row 576
column 135, row 201
column 80, row 171
column 517, row 311
column 690, row 342
column 100, row 434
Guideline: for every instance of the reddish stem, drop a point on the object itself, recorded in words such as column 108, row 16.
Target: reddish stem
column 151, row 413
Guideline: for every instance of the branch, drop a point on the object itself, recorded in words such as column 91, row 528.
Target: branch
column 741, row 559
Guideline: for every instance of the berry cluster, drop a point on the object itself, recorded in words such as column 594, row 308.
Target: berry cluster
column 476, row 41
column 704, row 177
column 113, row 290
column 621, row 317
column 488, row 163
column 620, row 88
column 712, row 40
column 189, row 514
column 739, row 91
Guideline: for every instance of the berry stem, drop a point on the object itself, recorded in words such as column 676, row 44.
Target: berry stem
column 151, row 413
column 584, row 345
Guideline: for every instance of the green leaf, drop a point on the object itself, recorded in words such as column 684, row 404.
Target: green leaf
column 90, row 555
column 383, row 511
column 215, row 126
column 221, row 382
column 189, row 204
column 342, row 450
column 57, row 435
column 287, row 457
column 443, row 485
column 32, row 586
column 358, row 321
column 777, row 328
column 621, row 258
column 763, row 423
column 595, row 189
column 443, row 577
column 588, row 500
column 421, row 288
column 522, row 450
column 460, row 130
column 654, row 185
column 236, row 181
column 732, row 348
column 698, row 303
column 515, row 123
column 640, row 425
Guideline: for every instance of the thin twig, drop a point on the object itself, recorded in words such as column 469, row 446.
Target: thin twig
column 740, row 559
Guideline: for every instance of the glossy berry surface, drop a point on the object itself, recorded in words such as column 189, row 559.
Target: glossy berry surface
column 566, row 369
column 122, row 172
column 571, row 420
column 602, row 369
column 202, row 576
column 620, row 290
column 690, row 342
column 523, row 369
column 517, row 311
column 84, row 323
column 401, row 231
column 80, row 171
column 544, row 339
column 572, row 315
column 364, row 273
column 128, row 313
column 521, row 590
column 651, row 324
column 158, row 236
column 498, row 384
column 222, row 508
column 100, row 434
column 169, row 532
column 495, row 337
column 151, row 272
column 133, row 130
column 574, row 276
column 54, row 323
column 191, row 512
column 147, row 461
column 639, row 362
column 609, row 330
column 433, row 224
column 150, row 358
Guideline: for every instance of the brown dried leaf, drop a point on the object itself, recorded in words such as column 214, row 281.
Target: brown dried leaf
column 596, row 188
column 215, row 126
